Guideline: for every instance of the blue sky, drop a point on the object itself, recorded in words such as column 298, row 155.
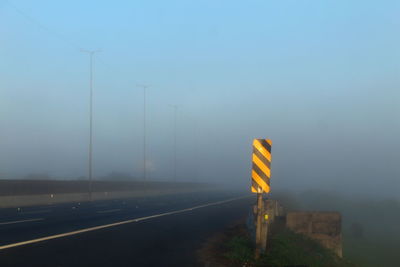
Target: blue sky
column 318, row 77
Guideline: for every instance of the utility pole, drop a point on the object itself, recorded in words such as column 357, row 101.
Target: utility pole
column 91, row 54
column 144, row 130
column 196, row 151
column 175, row 107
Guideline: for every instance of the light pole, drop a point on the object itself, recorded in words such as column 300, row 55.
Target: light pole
column 144, row 130
column 91, row 54
column 175, row 107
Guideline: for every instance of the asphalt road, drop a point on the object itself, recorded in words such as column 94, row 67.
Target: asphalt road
column 163, row 231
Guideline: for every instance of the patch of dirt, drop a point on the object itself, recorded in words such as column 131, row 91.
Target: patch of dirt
column 212, row 253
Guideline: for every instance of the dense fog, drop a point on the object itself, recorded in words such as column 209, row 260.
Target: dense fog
column 318, row 78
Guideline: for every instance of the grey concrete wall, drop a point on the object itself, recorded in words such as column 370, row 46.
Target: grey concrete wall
column 42, row 187
column 324, row 227
column 273, row 209
column 53, row 192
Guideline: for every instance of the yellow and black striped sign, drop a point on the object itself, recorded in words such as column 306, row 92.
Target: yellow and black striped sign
column 261, row 172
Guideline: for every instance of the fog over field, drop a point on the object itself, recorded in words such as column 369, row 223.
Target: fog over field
column 320, row 78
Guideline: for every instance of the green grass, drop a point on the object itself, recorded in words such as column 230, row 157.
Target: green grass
column 240, row 249
column 379, row 217
column 372, row 252
column 285, row 248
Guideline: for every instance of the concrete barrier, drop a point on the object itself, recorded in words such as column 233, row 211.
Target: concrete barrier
column 33, row 193
column 274, row 209
column 324, row 227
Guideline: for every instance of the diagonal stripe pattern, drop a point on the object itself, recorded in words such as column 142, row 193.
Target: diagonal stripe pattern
column 261, row 169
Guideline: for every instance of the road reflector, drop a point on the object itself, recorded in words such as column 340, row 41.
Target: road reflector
column 261, row 170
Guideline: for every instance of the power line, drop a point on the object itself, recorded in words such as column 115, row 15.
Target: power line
column 43, row 27
column 91, row 53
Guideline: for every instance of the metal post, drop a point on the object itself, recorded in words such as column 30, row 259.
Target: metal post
column 91, row 54
column 144, row 130
column 144, row 134
column 175, row 107
column 175, row 111
column 264, row 227
column 259, row 227
column 91, row 126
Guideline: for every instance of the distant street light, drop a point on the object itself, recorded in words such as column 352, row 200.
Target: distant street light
column 175, row 107
column 144, row 129
column 91, row 54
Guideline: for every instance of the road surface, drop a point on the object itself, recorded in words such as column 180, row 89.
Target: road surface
column 163, row 231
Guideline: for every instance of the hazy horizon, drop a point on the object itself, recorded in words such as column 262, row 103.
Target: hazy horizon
column 321, row 79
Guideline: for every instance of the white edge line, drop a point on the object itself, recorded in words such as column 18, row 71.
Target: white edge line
column 22, row 221
column 116, row 224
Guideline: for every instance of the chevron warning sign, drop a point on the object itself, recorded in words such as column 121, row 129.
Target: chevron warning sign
column 261, row 170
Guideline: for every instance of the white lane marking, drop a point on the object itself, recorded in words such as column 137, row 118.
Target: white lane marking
column 117, row 223
column 108, row 211
column 22, row 221
column 35, row 212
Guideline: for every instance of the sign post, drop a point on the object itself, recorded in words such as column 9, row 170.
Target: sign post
column 260, row 183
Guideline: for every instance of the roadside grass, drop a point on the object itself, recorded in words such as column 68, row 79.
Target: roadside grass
column 378, row 218
column 240, row 249
column 285, row 248
column 370, row 252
